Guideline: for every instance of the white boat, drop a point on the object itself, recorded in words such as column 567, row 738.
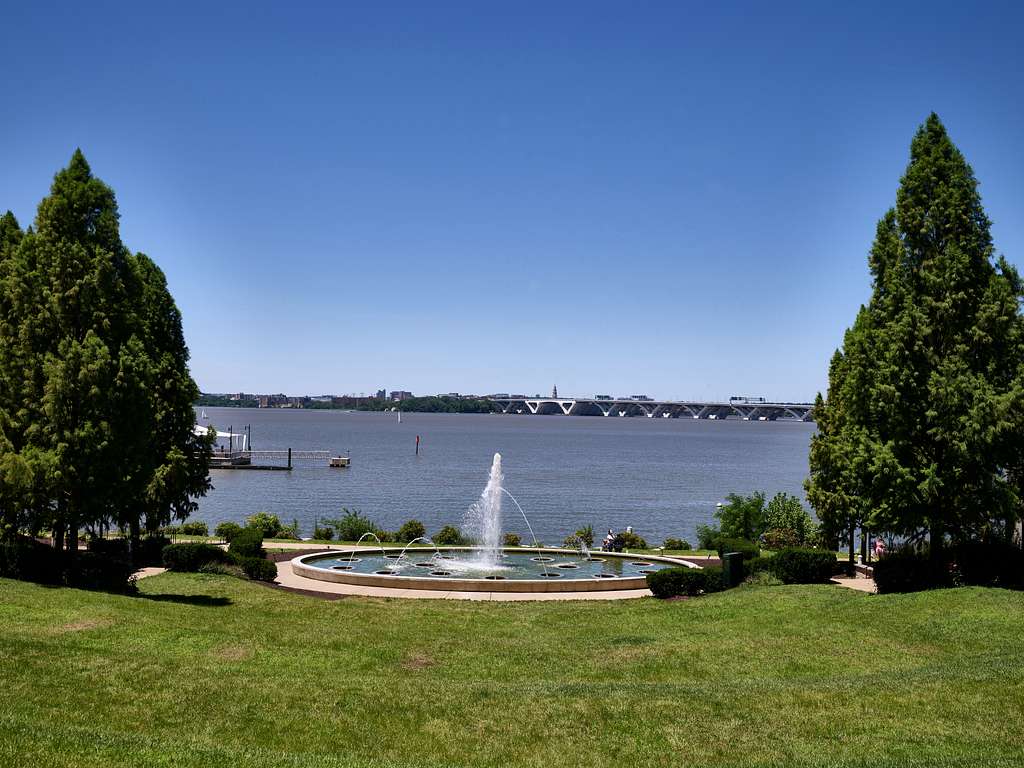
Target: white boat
column 204, row 416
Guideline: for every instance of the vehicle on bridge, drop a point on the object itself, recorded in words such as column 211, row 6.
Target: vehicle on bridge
column 744, row 399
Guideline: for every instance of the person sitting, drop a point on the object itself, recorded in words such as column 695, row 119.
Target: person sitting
column 606, row 545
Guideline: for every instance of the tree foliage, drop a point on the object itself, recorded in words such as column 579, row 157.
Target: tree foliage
column 96, row 424
column 922, row 431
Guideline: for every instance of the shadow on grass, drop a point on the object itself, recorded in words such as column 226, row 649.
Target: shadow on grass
column 209, row 601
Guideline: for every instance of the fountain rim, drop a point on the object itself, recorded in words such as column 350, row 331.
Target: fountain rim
column 301, row 567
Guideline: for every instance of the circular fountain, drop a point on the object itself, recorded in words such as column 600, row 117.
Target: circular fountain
column 487, row 567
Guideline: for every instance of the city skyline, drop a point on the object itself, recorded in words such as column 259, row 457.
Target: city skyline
column 675, row 200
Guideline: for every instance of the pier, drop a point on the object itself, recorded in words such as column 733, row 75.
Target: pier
column 284, row 459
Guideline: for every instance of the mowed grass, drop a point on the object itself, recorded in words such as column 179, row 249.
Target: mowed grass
column 213, row 671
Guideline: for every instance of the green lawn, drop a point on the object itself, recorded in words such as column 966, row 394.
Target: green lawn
column 214, row 671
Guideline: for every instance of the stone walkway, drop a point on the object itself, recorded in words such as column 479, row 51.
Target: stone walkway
column 859, row 583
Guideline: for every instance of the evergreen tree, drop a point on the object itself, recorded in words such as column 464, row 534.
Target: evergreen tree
column 95, row 395
column 922, row 431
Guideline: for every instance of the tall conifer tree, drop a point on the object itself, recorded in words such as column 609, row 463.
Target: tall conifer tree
column 922, row 430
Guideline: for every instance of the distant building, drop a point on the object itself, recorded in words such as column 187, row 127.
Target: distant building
column 554, row 392
column 382, row 394
column 400, row 394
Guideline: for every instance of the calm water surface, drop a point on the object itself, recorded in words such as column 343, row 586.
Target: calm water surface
column 661, row 476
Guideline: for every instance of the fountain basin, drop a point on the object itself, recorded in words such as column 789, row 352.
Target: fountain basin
column 518, row 572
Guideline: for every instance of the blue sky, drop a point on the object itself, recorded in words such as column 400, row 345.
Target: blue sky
column 669, row 198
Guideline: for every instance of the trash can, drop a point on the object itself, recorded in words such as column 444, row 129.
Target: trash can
column 732, row 569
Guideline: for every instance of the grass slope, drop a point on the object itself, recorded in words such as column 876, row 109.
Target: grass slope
column 212, row 671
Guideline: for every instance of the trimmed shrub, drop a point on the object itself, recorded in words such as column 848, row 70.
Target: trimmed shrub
column 108, row 547
column 989, row 564
column 95, row 571
column 194, row 529
column 190, row 557
column 150, row 550
column 672, row 582
column 511, row 540
column 759, row 564
column 258, row 568
column 411, row 529
column 677, row 544
column 326, row 533
column 269, row 524
column 796, row 565
column 222, row 569
column 29, row 560
column 746, row 548
column 907, row 570
column 448, row 536
column 247, row 543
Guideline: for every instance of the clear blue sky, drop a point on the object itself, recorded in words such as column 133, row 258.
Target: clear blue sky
column 665, row 198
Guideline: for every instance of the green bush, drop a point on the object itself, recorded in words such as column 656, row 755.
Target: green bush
column 411, row 529
column 672, row 582
column 585, row 534
column 708, row 536
column 511, row 540
column 257, row 568
column 907, row 570
column 191, row 556
column 290, row 532
column 746, row 548
column 780, row 538
column 227, row 530
column 323, row 532
column 194, row 528
column 269, row 524
column 796, row 565
column 247, row 543
column 95, row 571
column 631, row 540
column 448, row 536
column 29, row 560
column 677, row 544
column 989, row 564
column 351, row 525
column 758, row 564
column 387, row 536
column 150, row 550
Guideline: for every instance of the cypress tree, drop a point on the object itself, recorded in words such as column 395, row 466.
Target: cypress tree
column 922, row 433
column 95, row 394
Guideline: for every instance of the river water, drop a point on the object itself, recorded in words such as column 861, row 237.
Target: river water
column 661, row 476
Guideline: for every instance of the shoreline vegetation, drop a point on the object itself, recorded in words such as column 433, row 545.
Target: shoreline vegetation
column 427, row 404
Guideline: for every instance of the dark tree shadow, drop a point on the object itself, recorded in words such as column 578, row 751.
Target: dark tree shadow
column 209, row 601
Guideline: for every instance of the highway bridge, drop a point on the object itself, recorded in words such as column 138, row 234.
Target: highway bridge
column 745, row 409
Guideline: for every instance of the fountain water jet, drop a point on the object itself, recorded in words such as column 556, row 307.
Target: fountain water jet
column 483, row 520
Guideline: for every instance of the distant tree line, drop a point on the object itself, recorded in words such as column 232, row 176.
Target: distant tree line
column 428, row 404
column 96, row 419
column 921, row 436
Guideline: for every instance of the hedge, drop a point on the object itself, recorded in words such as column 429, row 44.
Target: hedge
column 748, row 549
column 247, row 542
column 257, row 568
column 672, row 582
column 798, row 565
column 191, row 556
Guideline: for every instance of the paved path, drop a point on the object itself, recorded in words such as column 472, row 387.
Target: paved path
column 859, row 583
column 144, row 572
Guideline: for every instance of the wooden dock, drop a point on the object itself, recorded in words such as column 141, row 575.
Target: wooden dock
column 285, row 458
